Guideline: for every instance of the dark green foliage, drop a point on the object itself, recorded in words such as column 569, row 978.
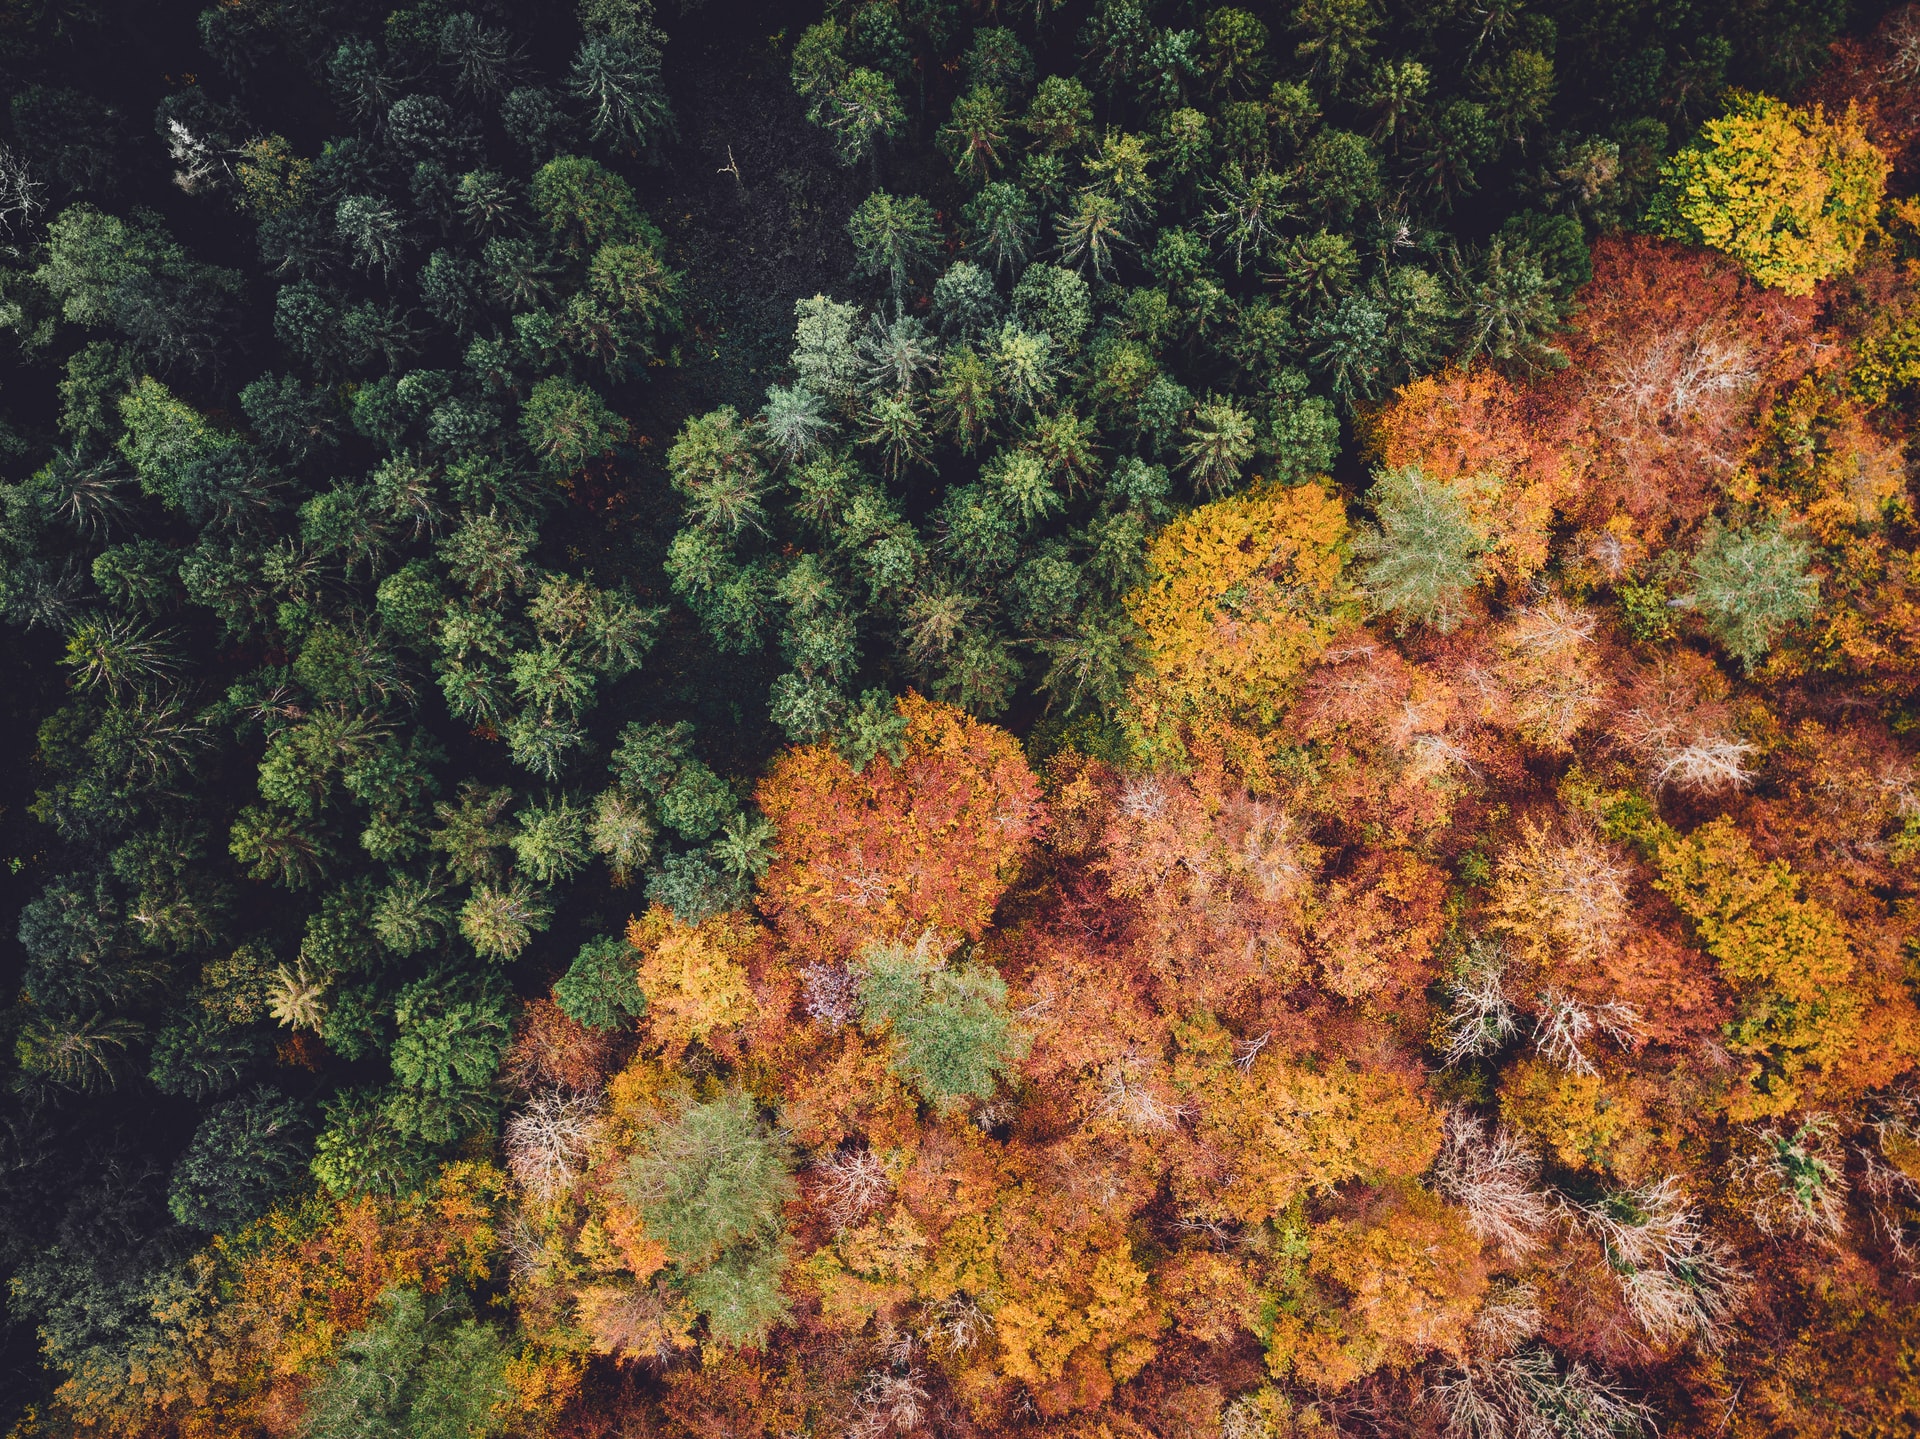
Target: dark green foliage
column 601, row 989
column 660, row 784
column 649, row 757
column 873, row 727
column 965, row 301
column 358, row 1021
column 695, row 886
column 88, row 1054
column 997, row 59
column 1055, row 302
column 1341, row 174
column 1060, row 117
column 131, row 276
column 107, row 1252
column 1002, row 220
column 245, row 1154
column 697, row 802
column 1556, row 243
column 1510, row 304
column 1301, row 433
column 75, row 138
column 856, row 104
column 291, row 562
column 199, row 1053
column 893, row 239
column 446, row 1047
column 360, row 1150
column 73, row 932
column 617, row 79
column 567, row 425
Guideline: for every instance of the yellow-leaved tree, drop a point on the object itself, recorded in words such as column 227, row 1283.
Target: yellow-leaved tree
column 1402, row 1279
column 1809, row 1023
column 1787, row 192
column 1241, row 596
column 1279, row 1128
column 694, row 976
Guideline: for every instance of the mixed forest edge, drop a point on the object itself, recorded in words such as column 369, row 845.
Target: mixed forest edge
column 946, row 718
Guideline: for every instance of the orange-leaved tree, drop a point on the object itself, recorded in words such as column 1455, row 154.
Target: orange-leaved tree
column 887, row 851
column 1281, row 1128
column 1220, row 878
column 1672, row 350
column 1467, row 429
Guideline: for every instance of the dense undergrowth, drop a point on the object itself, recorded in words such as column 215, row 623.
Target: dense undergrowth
column 1127, row 718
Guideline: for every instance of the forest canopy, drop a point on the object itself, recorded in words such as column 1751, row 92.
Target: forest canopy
column 902, row 718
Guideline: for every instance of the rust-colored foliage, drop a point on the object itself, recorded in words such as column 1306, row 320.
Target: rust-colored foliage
column 739, row 1395
column 549, row 1048
column 887, row 852
column 1393, row 740
column 1671, row 355
column 1377, row 924
column 1220, row 876
column 1874, row 72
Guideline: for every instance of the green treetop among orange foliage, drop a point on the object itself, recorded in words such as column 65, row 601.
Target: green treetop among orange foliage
column 1466, row 429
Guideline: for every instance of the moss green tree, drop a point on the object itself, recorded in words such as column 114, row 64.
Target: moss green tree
column 1750, row 582
column 1422, row 555
column 1217, row 442
column 951, row 1033
column 422, row 1370
column 567, row 425
column 601, row 988
column 894, row 240
column 711, row 1181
